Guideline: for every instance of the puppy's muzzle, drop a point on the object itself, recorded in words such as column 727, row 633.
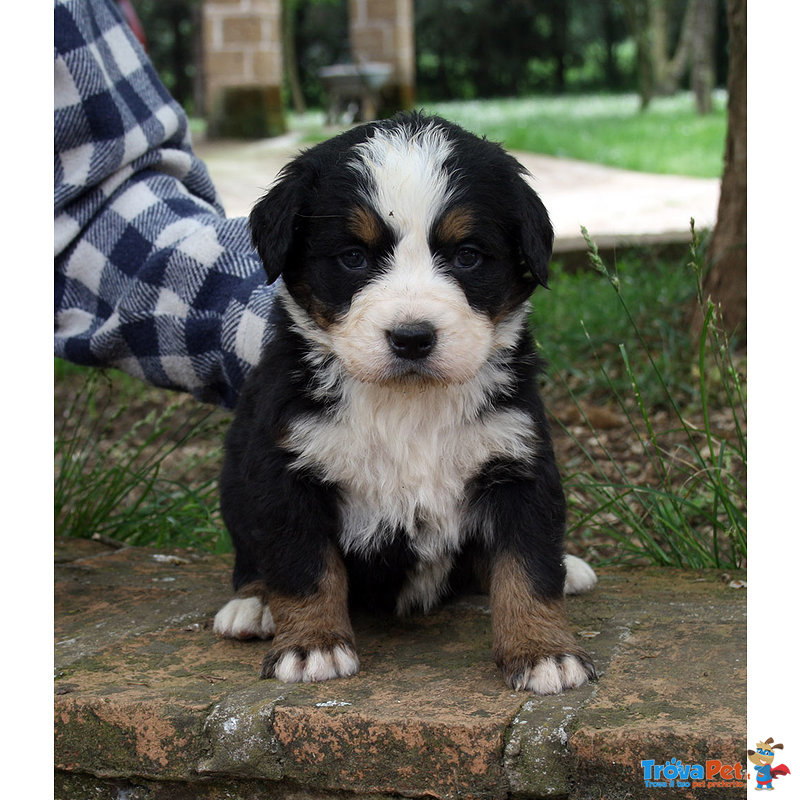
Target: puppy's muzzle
column 412, row 341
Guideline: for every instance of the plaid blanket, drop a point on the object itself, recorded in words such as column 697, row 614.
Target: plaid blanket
column 150, row 277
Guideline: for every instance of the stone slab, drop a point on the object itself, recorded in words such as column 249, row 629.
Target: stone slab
column 148, row 700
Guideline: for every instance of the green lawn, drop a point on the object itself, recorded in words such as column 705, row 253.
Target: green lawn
column 668, row 138
column 579, row 325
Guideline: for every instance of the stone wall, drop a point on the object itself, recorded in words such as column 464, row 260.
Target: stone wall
column 242, row 64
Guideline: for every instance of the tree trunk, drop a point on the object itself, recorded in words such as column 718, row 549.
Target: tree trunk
column 559, row 44
column 637, row 18
column 667, row 72
column 660, row 73
column 290, row 57
column 726, row 281
column 703, row 77
column 610, row 68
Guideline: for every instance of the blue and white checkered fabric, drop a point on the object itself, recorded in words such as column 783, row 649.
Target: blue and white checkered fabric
column 149, row 275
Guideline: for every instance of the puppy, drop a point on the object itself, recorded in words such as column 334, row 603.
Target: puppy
column 391, row 448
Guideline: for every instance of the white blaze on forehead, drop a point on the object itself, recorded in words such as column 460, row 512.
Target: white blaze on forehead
column 407, row 182
column 407, row 185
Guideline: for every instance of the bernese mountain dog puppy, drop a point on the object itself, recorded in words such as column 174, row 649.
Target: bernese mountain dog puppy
column 391, row 448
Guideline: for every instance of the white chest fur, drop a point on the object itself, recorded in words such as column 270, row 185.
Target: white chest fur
column 403, row 456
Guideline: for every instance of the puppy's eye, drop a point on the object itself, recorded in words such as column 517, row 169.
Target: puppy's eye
column 354, row 258
column 467, row 258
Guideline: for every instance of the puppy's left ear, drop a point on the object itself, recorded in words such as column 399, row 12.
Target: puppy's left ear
column 535, row 233
column 273, row 220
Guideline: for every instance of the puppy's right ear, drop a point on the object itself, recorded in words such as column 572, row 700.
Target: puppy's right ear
column 273, row 219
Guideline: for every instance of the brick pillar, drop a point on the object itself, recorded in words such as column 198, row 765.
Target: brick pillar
column 243, row 69
column 383, row 31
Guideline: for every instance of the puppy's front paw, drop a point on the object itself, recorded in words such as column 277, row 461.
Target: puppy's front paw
column 549, row 674
column 309, row 665
column 244, row 618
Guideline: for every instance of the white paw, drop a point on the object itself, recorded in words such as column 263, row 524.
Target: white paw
column 244, row 618
column 580, row 576
column 554, row 675
column 296, row 666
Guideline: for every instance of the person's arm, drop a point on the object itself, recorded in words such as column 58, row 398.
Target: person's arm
column 149, row 275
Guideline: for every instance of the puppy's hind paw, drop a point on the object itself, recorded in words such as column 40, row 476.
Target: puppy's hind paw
column 301, row 665
column 244, row 618
column 551, row 675
column 580, row 576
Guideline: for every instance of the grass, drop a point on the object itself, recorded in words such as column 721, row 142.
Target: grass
column 668, row 138
column 141, row 483
column 690, row 512
column 581, row 301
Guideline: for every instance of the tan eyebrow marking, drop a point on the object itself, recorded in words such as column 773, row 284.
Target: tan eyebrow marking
column 365, row 225
column 456, row 225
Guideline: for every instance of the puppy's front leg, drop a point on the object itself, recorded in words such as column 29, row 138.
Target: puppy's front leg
column 533, row 645
column 314, row 638
column 521, row 506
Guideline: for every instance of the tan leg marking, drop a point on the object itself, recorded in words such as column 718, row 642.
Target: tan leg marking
column 533, row 645
column 314, row 638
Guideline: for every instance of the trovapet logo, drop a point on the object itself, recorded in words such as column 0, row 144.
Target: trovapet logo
column 716, row 774
column 762, row 757
column 713, row 773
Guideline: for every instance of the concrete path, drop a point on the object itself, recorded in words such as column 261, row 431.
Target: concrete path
column 150, row 704
column 616, row 206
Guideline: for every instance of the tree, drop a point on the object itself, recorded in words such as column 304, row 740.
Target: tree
column 320, row 38
column 668, row 71
column 288, row 11
column 703, row 30
column 638, row 18
column 726, row 281
column 652, row 24
column 173, row 42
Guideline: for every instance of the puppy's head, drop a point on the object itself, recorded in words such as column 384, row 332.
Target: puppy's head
column 407, row 247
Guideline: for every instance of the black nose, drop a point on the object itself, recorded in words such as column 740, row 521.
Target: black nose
column 412, row 341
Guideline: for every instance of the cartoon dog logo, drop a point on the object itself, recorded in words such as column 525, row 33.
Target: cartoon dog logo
column 762, row 757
